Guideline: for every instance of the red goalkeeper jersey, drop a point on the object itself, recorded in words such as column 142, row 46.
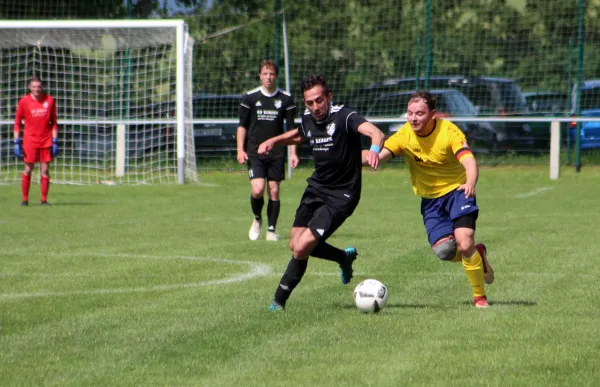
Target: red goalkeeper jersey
column 40, row 120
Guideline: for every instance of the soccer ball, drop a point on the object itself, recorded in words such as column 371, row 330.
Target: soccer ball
column 370, row 296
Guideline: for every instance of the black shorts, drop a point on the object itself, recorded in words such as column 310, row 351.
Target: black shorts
column 321, row 215
column 270, row 169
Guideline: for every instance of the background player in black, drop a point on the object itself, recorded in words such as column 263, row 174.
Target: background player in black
column 333, row 190
column 262, row 112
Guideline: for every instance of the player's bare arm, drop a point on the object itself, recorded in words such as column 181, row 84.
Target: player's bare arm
column 242, row 157
column 472, row 172
column 384, row 156
column 372, row 156
column 294, row 159
column 292, row 137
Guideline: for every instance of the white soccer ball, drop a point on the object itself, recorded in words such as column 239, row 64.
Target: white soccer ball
column 370, row 296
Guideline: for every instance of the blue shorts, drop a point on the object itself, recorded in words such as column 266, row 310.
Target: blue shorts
column 440, row 213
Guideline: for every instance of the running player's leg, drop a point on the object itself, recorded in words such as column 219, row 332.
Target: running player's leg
column 325, row 222
column 275, row 175
column 257, row 175
column 464, row 213
column 448, row 244
column 440, row 230
column 472, row 260
column 299, row 244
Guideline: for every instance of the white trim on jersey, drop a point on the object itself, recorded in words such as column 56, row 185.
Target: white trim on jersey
column 336, row 108
column 351, row 113
column 257, row 89
column 332, row 109
column 264, row 92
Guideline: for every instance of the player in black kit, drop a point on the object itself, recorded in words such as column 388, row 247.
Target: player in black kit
column 262, row 112
column 333, row 190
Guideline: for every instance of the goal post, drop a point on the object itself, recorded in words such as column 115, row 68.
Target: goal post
column 123, row 92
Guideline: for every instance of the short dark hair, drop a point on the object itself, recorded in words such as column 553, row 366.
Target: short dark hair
column 270, row 64
column 426, row 96
column 313, row 80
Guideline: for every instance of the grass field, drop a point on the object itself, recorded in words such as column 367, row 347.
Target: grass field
column 159, row 285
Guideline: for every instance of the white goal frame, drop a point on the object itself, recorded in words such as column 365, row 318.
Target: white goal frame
column 181, row 76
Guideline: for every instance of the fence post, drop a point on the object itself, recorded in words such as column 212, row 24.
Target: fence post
column 554, row 150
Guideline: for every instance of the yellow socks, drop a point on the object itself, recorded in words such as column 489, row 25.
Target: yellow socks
column 474, row 271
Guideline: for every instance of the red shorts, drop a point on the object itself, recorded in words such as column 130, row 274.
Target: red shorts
column 34, row 154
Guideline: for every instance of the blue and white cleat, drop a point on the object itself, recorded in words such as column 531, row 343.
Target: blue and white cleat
column 275, row 307
column 346, row 267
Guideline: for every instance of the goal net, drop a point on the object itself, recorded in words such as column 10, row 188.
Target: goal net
column 123, row 95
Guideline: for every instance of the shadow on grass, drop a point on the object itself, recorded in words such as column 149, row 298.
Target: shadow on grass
column 402, row 306
column 74, row 204
column 514, row 303
column 506, row 303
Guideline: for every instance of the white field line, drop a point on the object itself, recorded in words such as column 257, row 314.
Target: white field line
column 256, row 270
column 536, row 191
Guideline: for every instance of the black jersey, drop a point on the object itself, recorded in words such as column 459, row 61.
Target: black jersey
column 337, row 151
column 262, row 115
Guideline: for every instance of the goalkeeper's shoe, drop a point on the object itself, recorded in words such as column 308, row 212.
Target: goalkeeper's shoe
column 25, row 203
column 480, row 302
column 275, row 307
column 254, row 232
column 45, row 203
column 488, row 272
column 346, row 266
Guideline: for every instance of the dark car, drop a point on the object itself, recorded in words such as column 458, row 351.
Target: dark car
column 590, row 107
column 546, row 104
column 97, row 142
column 449, row 102
column 218, row 133
column 491, row 96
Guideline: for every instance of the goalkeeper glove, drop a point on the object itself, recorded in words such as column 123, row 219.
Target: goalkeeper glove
column 54, row 147
column 17, row 148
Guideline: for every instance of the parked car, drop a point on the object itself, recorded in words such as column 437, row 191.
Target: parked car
column 97, row 142
column 590, row 107
column 546, row 104
column 480, row 135
column 491, row 96
column 216, row 137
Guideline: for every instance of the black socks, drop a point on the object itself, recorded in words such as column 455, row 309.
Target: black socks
column 257, row 206
column 290, row 279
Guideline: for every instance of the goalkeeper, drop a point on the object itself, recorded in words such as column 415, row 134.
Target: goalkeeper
column 444, row 173
column 40, row 137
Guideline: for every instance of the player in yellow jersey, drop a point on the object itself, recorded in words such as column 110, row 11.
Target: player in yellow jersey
column 444, row 173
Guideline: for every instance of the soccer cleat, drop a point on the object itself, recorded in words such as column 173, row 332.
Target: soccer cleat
column 346, row 267
column 254, row 232
column 488, row 272
column 271, row 236
column 45, row 203
column 480, row 302
column 275, row 307
column 25, row 203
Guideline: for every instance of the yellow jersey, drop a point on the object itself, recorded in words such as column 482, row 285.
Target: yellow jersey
column 434, row 161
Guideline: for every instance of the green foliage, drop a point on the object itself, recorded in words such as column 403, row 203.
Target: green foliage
column 358, row 42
